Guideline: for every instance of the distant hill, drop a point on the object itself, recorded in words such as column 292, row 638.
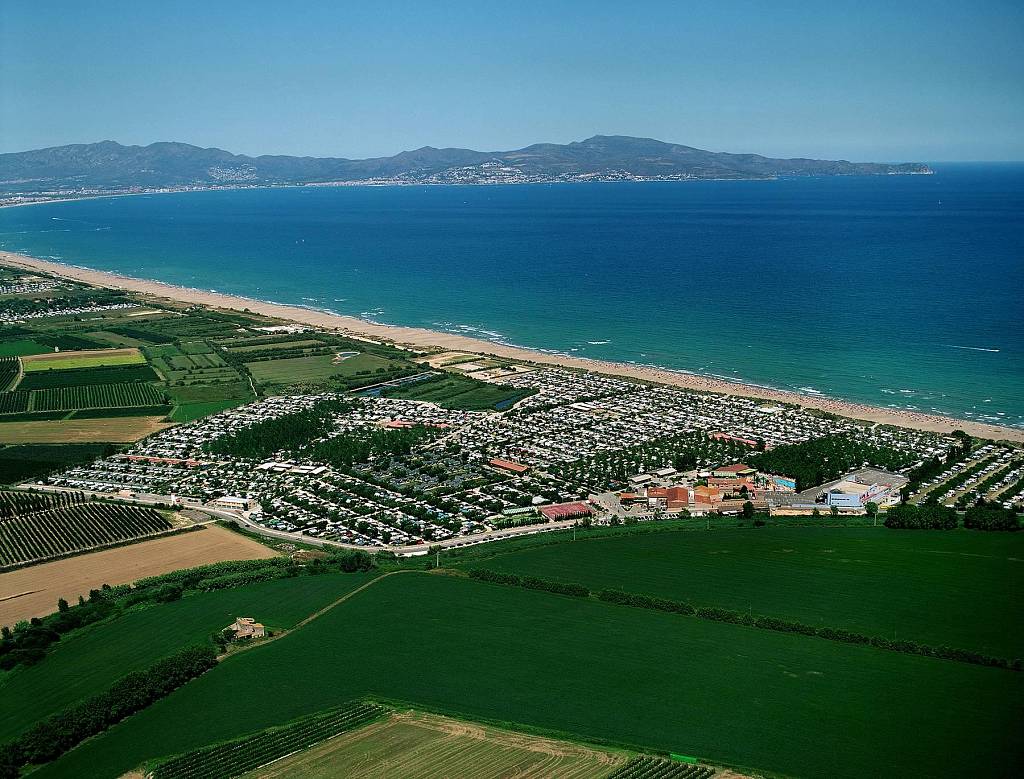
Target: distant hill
column 109, row 166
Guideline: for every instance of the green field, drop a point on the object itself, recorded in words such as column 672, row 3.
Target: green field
column 868, row 580
column 187, row 412
column 778, row 702
column 461, row 392
column 314, row 368
column 77, row 377
column 88, row 661
column 62, row 361
column 22, row 348
column 28, row 461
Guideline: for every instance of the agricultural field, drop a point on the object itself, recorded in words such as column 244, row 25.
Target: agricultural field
column 461, row 392
column 97, row 358
column 21, row 462
column 867, row 580
column 33, row 591
column 191, row 362
column 9, row 369
column 622, row 675
column 74, row 431
column 96, row 396
column 49, row 533
column 89, row 660
column 236, row 757
column 414, row 745
column 21, row 348
column 79, row 377
column 317, row 368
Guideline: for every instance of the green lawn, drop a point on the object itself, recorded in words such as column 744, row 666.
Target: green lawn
column 87, row 662
column 778, row 702
column 958, row 588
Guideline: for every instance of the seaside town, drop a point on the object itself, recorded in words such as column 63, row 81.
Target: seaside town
column 582, row 448
column 301, row 433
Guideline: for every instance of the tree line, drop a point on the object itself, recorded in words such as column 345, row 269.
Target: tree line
column 926, row 516
column 49, row 739
column 991, row 516
column 717, row 614
column 530, row 582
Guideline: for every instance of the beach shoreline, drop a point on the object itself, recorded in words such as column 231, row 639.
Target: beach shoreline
column 420, row 338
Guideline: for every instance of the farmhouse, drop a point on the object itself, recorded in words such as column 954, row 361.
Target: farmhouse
column 247, row 627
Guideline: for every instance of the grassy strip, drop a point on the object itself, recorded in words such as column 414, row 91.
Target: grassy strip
column 715, row 614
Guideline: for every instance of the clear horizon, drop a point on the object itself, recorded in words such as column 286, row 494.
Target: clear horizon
column 932, row 82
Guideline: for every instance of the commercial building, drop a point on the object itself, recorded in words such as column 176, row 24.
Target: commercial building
column 566, row 511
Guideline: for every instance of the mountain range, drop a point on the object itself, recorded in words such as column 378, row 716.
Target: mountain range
column 111, row 166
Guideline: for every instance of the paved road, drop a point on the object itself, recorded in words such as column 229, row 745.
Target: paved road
column 148, row 499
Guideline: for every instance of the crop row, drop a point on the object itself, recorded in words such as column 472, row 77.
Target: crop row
column 8, row 371
column 55, row 532
column 13, row 504
column 237, row 757
column 122, row 395
column 13, row 402
column 646, row 767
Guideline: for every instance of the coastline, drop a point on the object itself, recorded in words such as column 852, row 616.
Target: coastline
column 420, row 338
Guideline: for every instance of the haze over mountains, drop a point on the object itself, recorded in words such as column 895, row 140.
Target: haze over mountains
column 110, row 166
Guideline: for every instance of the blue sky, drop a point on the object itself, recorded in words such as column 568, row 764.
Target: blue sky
column 856, row 80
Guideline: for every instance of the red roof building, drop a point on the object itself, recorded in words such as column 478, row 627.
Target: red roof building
column 566, row 511
column 508, row 465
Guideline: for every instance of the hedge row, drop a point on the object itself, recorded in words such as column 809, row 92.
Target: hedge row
column 52, row 737
column 530, row 583
column 716, row 614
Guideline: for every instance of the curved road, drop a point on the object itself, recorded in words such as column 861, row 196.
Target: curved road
column 147, row 499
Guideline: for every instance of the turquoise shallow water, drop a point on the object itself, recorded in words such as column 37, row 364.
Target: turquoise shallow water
column 896, row 291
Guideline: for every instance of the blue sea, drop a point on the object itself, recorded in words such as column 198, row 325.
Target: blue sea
column 904, row 291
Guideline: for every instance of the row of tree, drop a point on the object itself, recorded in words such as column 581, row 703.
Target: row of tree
column 530, row 582
column 52, row 737
column 991, row 516
column 716, row 614
column 926, row 516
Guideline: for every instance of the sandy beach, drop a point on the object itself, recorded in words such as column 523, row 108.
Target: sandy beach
column 418, row 338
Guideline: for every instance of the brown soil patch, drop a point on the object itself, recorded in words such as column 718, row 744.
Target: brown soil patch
column 33, row 591
column 121, row 430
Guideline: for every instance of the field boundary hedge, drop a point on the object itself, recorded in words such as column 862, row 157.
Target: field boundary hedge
column 761, row 622
column 52, row 737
